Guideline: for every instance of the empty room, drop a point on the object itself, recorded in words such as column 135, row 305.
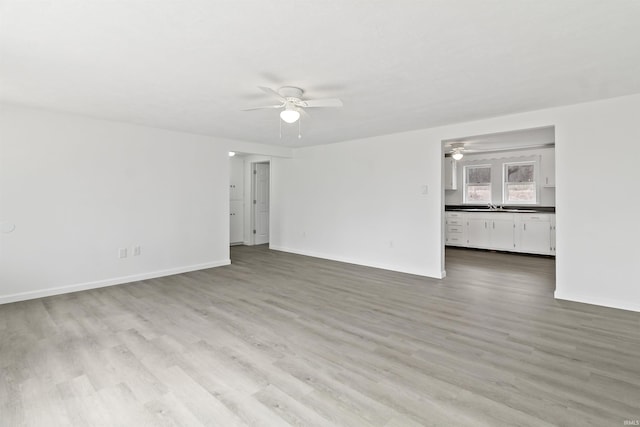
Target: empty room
column 319, row 213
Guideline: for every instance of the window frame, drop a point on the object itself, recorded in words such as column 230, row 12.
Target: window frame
column 465, row 184
column 505, row 183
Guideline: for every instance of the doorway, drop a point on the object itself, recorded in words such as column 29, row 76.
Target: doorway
column 499, row 199
column 249, row 199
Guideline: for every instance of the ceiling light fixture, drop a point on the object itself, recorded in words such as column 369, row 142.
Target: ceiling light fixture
column 232, row 153
column 290, row 114
column 456, row 151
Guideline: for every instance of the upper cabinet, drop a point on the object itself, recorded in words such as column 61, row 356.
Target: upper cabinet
column 236, row 178
column 450, row 174
column 548, row 169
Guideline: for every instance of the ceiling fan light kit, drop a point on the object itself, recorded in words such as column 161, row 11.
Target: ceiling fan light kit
column 457, row 151
column 290, row 98
column 289, row 114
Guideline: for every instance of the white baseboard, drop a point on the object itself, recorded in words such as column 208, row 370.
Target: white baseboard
column 348, row 260
column 22, row 296
column 622, row 305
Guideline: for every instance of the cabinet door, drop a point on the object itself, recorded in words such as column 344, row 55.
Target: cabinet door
column 502, row 233
column 553, row 234
column 535, row 237
column 236, row 222
column 548, row 169
column 450, row 174
column 477, row 232
column 236, row 179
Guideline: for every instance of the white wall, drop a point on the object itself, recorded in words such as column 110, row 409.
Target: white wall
column 347, row 201
column 362, row 202
column 77, row 189
column 546, row 195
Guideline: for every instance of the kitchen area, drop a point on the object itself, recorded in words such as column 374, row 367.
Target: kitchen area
column 500, row 192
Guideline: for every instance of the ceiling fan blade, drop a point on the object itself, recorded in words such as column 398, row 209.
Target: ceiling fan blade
column 265, row 106
column 272, row 93
column 311, row 103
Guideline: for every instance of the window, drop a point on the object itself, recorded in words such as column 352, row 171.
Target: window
column 477, row 184
column 519, row 183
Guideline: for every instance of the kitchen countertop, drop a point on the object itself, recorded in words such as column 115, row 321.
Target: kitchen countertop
column 507, row 209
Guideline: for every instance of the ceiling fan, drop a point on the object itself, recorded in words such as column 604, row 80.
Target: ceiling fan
column 293, row 105
column 457, row 149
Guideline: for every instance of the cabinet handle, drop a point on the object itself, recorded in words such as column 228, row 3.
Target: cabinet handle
column 485, row 224
column 525, row 227
column 494, row 225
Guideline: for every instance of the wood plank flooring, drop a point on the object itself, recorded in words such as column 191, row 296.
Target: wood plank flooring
column 277, row 339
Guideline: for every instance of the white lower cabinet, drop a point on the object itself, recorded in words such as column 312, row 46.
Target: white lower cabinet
column 534, row 234
column 553, row 234
column 455, row 234
column 477, row 233
column 490, row 231
column 503, row 231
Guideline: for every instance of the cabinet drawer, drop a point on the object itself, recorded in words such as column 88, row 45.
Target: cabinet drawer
column 454, row 229
column 534, row 217
column 454, row 214
column 455, row 240
column 454, row 221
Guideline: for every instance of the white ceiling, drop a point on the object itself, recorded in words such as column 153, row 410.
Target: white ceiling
column 397, row 65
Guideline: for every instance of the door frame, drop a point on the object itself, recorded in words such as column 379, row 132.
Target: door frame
column 252, row 197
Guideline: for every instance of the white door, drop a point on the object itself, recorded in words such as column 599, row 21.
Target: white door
column 261, row 203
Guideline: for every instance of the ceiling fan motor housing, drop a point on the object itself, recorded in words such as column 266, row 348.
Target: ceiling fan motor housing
column 290, row 92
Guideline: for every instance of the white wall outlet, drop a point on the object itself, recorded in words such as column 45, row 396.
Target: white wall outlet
column 122, row 253
column 137, row 250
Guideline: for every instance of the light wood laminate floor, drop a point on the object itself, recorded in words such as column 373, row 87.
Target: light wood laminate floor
column 280, row 339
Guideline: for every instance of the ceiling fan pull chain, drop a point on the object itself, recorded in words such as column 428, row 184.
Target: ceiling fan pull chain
column 280, row 121
column 299, row 134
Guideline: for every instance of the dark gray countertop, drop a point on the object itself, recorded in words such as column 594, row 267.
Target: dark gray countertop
column 506, row 209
